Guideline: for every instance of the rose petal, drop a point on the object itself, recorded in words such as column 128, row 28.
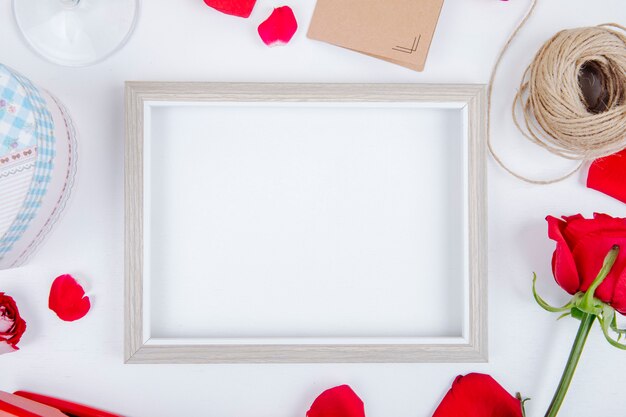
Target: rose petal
column 569, row 219
column 5, row 324
column 590, row 252
column 339, row 401
column 241, row 8
column 614, row 224
column 563, row 265
column 578, row 227
column 67, row 299
column 279, row 28
column 618, row 302
column 608, row 175
column 478, row 395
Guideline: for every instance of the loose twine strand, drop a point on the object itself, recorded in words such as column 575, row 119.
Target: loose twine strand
column 555, row 113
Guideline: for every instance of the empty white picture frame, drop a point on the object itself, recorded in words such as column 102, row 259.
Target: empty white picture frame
column 292, row 223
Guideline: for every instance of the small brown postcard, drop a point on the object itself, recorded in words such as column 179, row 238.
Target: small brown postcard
column 398, row 31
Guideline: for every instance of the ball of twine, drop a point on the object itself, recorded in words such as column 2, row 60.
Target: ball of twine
column 557, row 112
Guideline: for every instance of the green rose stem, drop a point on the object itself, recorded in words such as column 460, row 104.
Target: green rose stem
column 587, row 310
column 574, row 356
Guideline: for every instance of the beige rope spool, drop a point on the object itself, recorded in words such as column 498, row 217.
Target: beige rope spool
column 555, row 111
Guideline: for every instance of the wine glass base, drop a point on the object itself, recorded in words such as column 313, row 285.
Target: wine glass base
column 78, row 34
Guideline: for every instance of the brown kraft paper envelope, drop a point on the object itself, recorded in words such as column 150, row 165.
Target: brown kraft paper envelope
column 398, row 31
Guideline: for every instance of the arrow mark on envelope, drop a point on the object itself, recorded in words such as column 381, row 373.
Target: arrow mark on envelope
column 406, row 50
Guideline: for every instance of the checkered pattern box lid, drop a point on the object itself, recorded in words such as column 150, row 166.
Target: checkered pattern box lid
column 26, row 155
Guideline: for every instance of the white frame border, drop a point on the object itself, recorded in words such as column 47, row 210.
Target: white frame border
column 140, row 347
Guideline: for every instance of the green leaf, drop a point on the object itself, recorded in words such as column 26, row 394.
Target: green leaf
column 577, row 313
column 543, row 304
column 608, row 316
column 569, row 313
column 616, row 329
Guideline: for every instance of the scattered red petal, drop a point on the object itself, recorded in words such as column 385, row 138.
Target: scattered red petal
column 67, row 299
column 608, row 175
column 241, row 8
column 478, row 395
column 279, row 28
column 339, row 401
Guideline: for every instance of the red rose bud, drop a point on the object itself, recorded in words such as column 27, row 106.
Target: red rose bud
column 478, row 395
column 581, row 247
column 12, row 326
column 588, row 263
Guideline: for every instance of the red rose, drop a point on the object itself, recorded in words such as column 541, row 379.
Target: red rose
column 12, row 326
column 581, row 246
column 478, row 395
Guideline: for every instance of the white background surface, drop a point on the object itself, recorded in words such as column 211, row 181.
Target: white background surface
column 183, row 41
column 306, row 221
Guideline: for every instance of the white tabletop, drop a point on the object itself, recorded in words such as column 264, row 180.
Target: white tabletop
column 186, row 41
